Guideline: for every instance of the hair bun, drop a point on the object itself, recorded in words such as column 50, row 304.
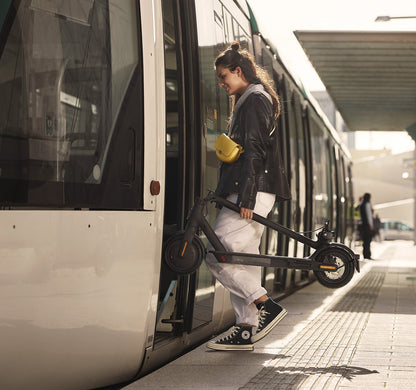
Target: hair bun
column 235, row 46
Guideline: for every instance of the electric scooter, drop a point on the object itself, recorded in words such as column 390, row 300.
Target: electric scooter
column 332, row 263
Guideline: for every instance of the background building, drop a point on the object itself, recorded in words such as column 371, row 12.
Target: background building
column 389, row 178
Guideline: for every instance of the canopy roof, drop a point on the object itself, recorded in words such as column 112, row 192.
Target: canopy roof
column 371, row 76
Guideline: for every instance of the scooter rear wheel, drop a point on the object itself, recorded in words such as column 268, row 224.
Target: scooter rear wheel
column 344, row 273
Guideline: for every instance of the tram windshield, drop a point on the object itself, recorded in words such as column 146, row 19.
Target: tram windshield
column 65, row 67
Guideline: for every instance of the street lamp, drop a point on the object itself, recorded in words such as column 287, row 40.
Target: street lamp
column 388, row 18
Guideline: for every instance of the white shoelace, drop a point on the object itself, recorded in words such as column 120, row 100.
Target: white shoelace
column 262, row 316
column 233, row 331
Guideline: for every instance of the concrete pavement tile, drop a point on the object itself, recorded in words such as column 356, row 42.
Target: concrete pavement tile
column 403, row 374
column 366, row 362
column 377, row 386
column 402, row 384
column 208, row 377
column 220, row 358
column 403, row 362
column 406, row 349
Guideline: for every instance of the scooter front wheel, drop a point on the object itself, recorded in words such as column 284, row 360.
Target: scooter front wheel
column 344, row 272
column 183, row 261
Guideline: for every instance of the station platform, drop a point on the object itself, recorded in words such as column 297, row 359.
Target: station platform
column 362, row 336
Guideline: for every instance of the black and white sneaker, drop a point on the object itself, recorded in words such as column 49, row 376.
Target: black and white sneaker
column 270, row 314
column 238, row 339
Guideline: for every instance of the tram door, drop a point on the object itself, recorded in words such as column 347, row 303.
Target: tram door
column 197, row 111
column 218, row 24
column 173, row 288
column 185, row 302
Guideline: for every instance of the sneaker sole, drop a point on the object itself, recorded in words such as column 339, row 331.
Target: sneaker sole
column 268, row 328
column 223, row 347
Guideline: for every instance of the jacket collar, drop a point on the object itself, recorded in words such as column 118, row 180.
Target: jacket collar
column 252, row 88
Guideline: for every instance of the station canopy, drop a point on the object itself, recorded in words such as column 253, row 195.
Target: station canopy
column 371, row 76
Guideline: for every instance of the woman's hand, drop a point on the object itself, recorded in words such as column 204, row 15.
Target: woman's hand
column 246, row 213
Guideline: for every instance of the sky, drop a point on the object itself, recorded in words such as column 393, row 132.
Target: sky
column 277, row 19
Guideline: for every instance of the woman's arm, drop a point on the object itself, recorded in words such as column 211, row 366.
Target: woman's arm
column 254, row 124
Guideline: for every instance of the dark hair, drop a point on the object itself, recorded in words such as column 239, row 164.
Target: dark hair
column 235, row 56
column 367, row 197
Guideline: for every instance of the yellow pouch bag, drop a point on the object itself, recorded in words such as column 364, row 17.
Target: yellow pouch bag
column 227, row 150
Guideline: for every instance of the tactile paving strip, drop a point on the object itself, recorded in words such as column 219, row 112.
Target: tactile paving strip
column 319, row 356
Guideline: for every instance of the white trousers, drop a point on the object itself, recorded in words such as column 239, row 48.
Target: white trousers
column 241, row 235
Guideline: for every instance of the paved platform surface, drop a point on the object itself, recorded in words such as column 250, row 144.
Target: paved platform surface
column 362, row 336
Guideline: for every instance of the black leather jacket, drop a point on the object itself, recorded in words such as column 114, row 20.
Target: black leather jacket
column 260, row 167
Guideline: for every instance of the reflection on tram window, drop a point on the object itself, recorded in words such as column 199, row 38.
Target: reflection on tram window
column 217, row 28
column 214, row 38
column 63, row 80
column 320, row 166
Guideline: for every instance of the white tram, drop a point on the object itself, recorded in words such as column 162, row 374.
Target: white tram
column 103, row 102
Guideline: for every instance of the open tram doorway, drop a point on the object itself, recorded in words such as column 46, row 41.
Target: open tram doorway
column 185, row 301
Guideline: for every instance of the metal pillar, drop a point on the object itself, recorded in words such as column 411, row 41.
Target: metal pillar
column 414, row 193
column 412, row 132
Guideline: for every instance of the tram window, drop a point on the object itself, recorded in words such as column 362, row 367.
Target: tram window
column 333, row 157
column 4, row 8
column 350, row 202
column 64, row 81
column 215, row 103
column 239, row 33
column 294, row 182
column 227, row 26
column 330, row 175
column 302, row 176
column 213, row 22
column 320, row 163
column 342, row 199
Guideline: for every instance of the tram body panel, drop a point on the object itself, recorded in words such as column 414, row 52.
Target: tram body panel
column 154, row 146
column 76, row 295
column 79, row 288
column 154, row 101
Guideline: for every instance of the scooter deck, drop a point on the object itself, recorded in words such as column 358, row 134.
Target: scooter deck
column 306, row 263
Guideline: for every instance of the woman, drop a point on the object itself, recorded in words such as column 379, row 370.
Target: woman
column 252, row 182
